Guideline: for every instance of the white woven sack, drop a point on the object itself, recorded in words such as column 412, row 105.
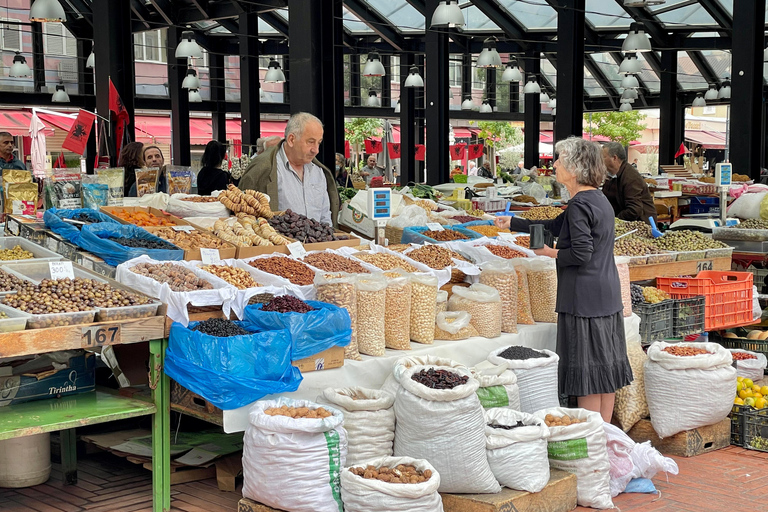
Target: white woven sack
column 580, row 449
column 369, row 420
column 498, row 386
column 368, row 495
column 447, row 428
column 536, row 379
column 666, row 374
column 392, row 384
column 294, row 464
column 518, row 457
column 751, row 368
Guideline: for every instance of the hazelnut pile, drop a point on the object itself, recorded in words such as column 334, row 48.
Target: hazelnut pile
column 191, row 240
column 178, row 278
column 298, row 412
column 558, row 421
column 400, row 474
column 685, row 351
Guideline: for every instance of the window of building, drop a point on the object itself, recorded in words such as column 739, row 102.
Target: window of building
column 10, row 35
column 57, row 40
column 454, row 73
column 150, row 46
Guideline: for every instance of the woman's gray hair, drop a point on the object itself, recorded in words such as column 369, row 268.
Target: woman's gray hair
column 298, row 121
column 583, row 159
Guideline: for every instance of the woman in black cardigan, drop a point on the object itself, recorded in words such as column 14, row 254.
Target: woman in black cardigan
column 211, row 176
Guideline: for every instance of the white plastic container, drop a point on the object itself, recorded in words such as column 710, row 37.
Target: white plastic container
column 25, row 461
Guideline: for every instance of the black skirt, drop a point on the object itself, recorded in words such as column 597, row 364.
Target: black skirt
column 593, row 354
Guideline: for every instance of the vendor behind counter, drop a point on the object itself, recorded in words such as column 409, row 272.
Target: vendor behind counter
column 625, row 189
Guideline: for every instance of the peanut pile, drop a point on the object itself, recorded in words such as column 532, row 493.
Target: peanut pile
column 298, row 412
column 331, row 262
column 191, row 240
column 685, row 351
column 294, row 271
column 385, row 261
column 503, row 251
column 180, row 279
column 371, row 311
column 201, row 199
column 423, row 311
column 397, row 313
column 237, row 277
column 561, row 421
column 445, row 236
column 400, row 474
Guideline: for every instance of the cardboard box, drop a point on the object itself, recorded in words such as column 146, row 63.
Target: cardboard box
column 28, row 379
column 357, row 220
column 225, row 253
column 325, row 360
column 250, row 252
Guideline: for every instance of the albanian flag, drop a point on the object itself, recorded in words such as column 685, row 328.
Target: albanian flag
column 681, row 150
column 77, row 138
column 373, row 147
column 346, row 149
column 421, row 152
column 394, row 150
column 474, row 151
column 457, row 151
column 117, row 107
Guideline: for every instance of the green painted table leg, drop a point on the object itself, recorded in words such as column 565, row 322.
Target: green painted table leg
column 161, row 428
column 69, row 456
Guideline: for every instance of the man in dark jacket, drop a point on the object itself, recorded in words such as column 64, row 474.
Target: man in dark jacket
column 625, row 188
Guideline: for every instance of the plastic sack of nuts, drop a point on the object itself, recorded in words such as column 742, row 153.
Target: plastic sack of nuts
column 498, row 386
column 362, row 494
column 340, row 289
column 294, row 463
column 392, row 384
column 397, row 318
column 518, row 455
column 371, row 312
column 524, row 315
column 369, row 420
column 536, row 378
column 748, row 368
column 502, row 276
column 542, row 285
column 423, row 307
column 622, row 265
column 483, row 303
column 630, row 405
column 441, row 302
column 454, row 325
column 710, row 374
column 445, row 427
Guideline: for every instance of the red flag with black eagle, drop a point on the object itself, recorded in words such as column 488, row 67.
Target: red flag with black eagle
column 346, row 149
column 681, row 150
column 474, row 151
column 421, row 152
column 373, row 147
column 77, row 138
column 116, row 105
column 457, row 151
column 394, row 150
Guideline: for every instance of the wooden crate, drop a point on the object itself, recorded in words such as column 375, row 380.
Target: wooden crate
column 192, row 404
column 688, row 443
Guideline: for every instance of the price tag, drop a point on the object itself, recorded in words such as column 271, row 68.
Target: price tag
column 61, row 270
column 507, row 237
column 186, row 229
column 210, row 256
column 704, row 265
column 434, row 226
column 296, row 249
column 100, row 335
column 461, row 194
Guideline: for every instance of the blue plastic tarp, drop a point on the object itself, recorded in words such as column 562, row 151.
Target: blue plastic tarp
column 414, row 235
column 94, row 239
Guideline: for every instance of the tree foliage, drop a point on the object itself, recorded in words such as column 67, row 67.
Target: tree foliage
column 357, row 129
column 499, row 134
column 623, row 127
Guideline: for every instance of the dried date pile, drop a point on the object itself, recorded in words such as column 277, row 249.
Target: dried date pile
column 294, row 271
column 287, row 304
column 301, row 228
column 677, row 350
column 742, row 356
column 400, row 474
column 445, row 235
column 517, row 353
column 143, row 243
column 439, row 379
column 180, row 279
column 220, row 327
column 299, row 412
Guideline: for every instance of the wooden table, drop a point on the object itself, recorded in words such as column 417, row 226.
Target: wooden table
column 678, row 268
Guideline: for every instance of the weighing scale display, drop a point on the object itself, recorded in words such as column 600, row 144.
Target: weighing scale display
column 723, row 174
column 381, row 204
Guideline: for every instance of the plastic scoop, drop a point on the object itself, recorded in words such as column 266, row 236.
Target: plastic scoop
column 654, row 230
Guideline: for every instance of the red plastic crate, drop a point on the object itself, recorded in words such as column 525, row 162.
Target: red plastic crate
column 727, row 295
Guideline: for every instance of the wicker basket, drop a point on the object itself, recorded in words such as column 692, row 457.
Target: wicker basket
column 358, row 185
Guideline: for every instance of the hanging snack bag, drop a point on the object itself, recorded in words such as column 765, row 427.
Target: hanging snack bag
column 524, row 315
column 13, row 177
column 114, row 180
column 501, row 275
column 23, row 198
column 483, row 303
column 542, row 285
column 146, row 181
column 179, row 179
column 62, row 189
column 95, row 191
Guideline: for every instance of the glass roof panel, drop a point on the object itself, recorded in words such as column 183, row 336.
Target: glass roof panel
column 591, row 86
column 727, row 5
column 400, row 13
column 531, row 14
column 266, row 28
column 649, row 77
column 665, row 5
column 549, row 71
column 689, row 15
column 476, row 20
column 688, row 75
column 720, row 62
column 353, row 23
column 606, row 14
column 609, row 68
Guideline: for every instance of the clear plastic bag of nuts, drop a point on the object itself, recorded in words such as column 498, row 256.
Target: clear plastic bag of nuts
column 423, row 307
column 622, row 265
column 397, row 322
column 441, row 305
column 483, row 303
column 454, row 325
column 524, row 315
column 339, row 289
column 542, row 286
column 502, row 276
column 371, row 314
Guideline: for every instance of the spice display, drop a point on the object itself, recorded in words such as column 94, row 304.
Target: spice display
column 542, row 285
column 542, row 213
column 523, row 241
column 200, row 199
column 294, row 271
column 331, row 262
column 301, row 228
column 287, row 304
column 146, row 181
column 503, row 279
column 249, row 202
column 385, row 261
column 371, row 314
column 683, row 351
column 400, row 474
column 114, row 180
column 299, row 412
column 439, row 379
column 143, row 243
column 17, row 253
column 433, row 256
column 483, row 303
column 653, row 295
column 220, row 327
column 95, row 191
column 10, row 282
column 339, row 290
column 190, row 239
column 503, row 251
column 397, row 315
column 518, row 353
column 237, row 277
column 445, row 235
column 642, row 229
column 686, row 240
column 423, row 308
column 62, row 189
column 561, row 421
column 742, row 356
column 249, row 231
column 491, row 231
column 141, row 218
column 461, row 219
column 180, row 279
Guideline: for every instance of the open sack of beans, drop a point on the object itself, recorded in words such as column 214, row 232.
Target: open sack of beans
column 516, row 444
column 536, row 372
column 423, row 307
column 368, row 418
column 340, row 289
column 454, row 325
column 397, row 314
column 392, row 384
column 391, row 483
column 483, row 303
column 577, row 444
column 542, row 286
column 293, row 454
column 671, row 367
column 498, row 386
column 750, row 365
column 630, row 405
column 502, row 276
column 440, row 419
column 524, row 314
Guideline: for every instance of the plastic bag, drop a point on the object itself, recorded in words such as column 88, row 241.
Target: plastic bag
column 94, row 239
column 146, row 181
column 501, row 275
column 622, row 266
column 371, row 311
column 95, row 191
column 536, row 378
column 397, row 316
column 411, row 215
column 311, row 332
column 748, row 206
column 483, row 303
column 441, row 302
column 534, row 190
column 62, row 189
column 115, row 181
column 542, row 286
column 181, row 208
column 630, row 405
column 294, row 464
column 53, row 221
column 750, row 368
column 415, row 235
column 524, row 315
column 498, row 386
column 757, row 311
column 454, row 325
column 648, row 461
column 423, row 308
column 231, row 372
column 619, row 446
column 339, row 289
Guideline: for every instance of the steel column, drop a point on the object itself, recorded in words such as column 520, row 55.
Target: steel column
column 38, row 57
column 746, row 83
column 85, row 88
column 407, row 122
column 354, row 79
column 532, row 112
column 490, row 87
column 514, row 96
column 437, row 104
column 386, row 82
column 177, row 70
column 418, row 104
column 570, row 69
column 219, row 114
column 250, row 109
column 669, row 140
column 466, row 75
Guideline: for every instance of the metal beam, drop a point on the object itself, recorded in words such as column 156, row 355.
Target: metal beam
column 532, row 114
column 570, row 74
column 141, row 13
column 495, row 11
column 599, row 75
column 218, row 96
column 166, row 10
column 407, row 124
column 201, row 5
column 704, row 68
column 421, row 6
column 249, row 79
column 38, row 57
column 437, row 107
column 276, row 22
column 669, row 108
column 177, row 70
column 377, row 23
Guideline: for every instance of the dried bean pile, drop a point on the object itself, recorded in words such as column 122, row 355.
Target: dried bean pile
column 385, row 261
column 505, row 282
column 685, row 351
column 503, row 251
column 742, row 356
column 401, row 474
column 371, row 311
column 397, row 314
column 331, row 262
column 299, row 412
column 180, row 279
column 301, row 228
column 439, row 379
column 509, row 427
column 220, row 327
column 433, row 256
column 294, row 271
column 445, row 235
column 287, row 304
column 542, row 213
column 517, row 353
column 524, row 315
column 542, row 285
column 237, row 277
column 423, row 309
column 143, row 243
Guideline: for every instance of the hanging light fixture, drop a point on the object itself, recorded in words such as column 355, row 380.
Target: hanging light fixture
column 626, row 100
column 188, row 47
column 637, row 40
column 489, row 57
column 725, row 91
column 91, row 62
column 642, row 3
column 532, row 87
column 512, row 72
column 373, row 99
column 552, row 103
column 414, row 78
column 486, row 107
column 274, row 73
column 630, row 65
column 194, row 96
column 19, row 68
column 60, row 94
column 711, row 93
column 47, row 11
column 629, row 94
column 699, row 101
column 625, row 107
column 397, row 107
column 467, row 104
column 191, row 81
column 630, row 82
column 373, row 65
column 447, row 14
column 543, row 97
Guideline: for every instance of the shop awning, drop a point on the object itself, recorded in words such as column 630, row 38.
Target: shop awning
column 16, row 122
column 707, row 140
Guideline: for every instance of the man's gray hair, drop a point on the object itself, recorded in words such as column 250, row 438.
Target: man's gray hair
column 6, row 134
column 615, row 149
column 298, row 121
column 583, row 159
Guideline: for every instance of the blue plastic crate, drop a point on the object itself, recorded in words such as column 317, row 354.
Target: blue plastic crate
column 705, row 205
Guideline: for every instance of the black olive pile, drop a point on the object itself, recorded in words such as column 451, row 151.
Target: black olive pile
column 143, row 243
column 637, row 295
column 509, row 427
column 297, row 226
column 517, row 353
column 220, row 327
column 439, row 379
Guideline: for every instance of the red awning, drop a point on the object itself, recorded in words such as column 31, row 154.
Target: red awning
column 60, row 122
column 16, row 122
column 707, row 140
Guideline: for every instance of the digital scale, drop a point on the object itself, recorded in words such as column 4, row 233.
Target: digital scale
column 380, row 210
column 705, row 222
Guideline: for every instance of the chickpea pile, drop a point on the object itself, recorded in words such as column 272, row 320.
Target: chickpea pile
column 433, row 256
column 299, row 412
column 542, row 213
column 685, row 351
column 400, row 474
column 561, row 421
